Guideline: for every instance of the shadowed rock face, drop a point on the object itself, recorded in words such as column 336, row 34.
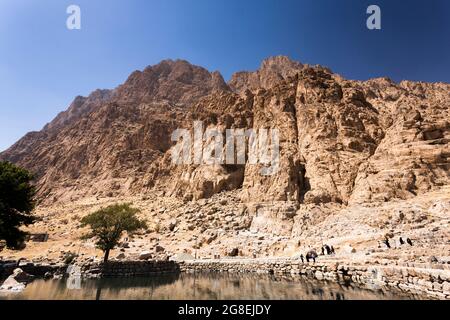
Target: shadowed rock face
column 341, row 141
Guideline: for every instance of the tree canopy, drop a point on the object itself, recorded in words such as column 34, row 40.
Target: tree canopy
column 108, row 224
column 16, row 203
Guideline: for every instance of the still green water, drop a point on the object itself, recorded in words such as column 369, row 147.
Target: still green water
column 203, row 286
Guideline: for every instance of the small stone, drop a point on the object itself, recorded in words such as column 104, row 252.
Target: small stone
column 172, row 224
column 349, row 249
column 120, row 256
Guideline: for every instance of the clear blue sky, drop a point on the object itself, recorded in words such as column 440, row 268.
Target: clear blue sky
column 43, row 65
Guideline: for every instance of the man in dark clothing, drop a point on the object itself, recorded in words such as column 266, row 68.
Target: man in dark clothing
column 401, row 241
column 409, row 241
column 386, row 242
column 328, row 249
column 303, row 258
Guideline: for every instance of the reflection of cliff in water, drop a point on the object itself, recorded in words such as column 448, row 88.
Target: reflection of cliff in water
column 114, row 286
column 204, row 286
column 227, row 286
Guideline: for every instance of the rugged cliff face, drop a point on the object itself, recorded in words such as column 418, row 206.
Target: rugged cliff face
column 341, row 141
column 103, row 144
column 359, row 161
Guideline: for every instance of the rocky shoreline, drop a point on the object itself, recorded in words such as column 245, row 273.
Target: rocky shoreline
column 434, row 283
column 415, row 280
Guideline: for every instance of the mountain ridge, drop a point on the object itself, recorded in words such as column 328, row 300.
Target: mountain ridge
column 117, row 141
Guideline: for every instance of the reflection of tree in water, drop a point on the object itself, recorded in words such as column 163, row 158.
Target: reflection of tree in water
column 116, row 285
column 99, row 292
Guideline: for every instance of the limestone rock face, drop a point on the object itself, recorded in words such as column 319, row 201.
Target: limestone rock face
column 272, row 71
column 104, row 144
column 414, row 155
column 327, row 130
column 342, row 142
column 79, row 107
column 275, row 218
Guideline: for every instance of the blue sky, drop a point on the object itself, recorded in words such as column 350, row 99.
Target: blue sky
column 43, row 65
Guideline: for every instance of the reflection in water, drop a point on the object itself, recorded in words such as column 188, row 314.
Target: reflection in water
column 73, row 282
column 200, row 286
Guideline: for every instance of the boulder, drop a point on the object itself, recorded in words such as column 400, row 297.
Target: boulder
column 21, row 276
column 446, row 287
column 145, row 255
column 17, row 281
column 12, row 284
column 233, row 252
column 433, row 259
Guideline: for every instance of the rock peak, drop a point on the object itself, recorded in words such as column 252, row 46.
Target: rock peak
column 176, row 81
column 280, row 62
column 272, row 71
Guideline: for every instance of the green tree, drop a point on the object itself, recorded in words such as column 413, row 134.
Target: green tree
column 16, row 203
column 108, row 224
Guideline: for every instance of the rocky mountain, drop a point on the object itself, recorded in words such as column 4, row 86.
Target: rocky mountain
column 360, row 161
column 342, row 141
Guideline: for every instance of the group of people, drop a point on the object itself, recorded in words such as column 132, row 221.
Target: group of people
column 328, row 250
column 401, row 241
column 311, row 255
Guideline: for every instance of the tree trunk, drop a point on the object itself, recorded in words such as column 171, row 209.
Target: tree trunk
column 105, row 259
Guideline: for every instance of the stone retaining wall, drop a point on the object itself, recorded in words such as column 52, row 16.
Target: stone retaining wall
column 431, row 282
column 38, row 270
column 129, row 269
